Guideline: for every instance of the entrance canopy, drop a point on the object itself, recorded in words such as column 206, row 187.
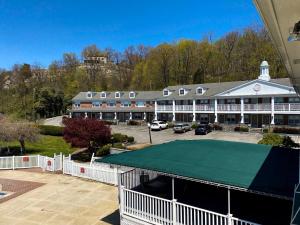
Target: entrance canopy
column 251, row 167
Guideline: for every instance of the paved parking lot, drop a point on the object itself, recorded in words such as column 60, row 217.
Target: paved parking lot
column 61, row 200
column 141, row 135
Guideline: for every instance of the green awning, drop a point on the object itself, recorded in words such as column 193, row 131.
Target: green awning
column 259, row 168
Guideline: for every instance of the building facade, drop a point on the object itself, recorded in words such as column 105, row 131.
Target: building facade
column 263, row 101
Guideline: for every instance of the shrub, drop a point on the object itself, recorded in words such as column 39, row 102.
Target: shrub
column 289, row 143
column 194, row 126
column 134, row 122
column 119, row 145
column 216, row 126
column 104, row 150
column 51, row 130
column 118, row 137
column 110, row 122
column 265, row 130
column 130, row 139
column 88, row 133
column 286, row 130
column 271, row 139
column 241, row 129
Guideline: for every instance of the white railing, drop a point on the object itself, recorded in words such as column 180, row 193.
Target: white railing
column 155, row 210
column 205, row 107
column 164, row 107
column 229, row 107
column 257, row 107
column 95, row 172
column 183, row 108
column 286, row 107
column 31, row 161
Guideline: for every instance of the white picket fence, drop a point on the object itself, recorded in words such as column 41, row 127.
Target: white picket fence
column 155, row 210
column 97, row 172
column 32, row 161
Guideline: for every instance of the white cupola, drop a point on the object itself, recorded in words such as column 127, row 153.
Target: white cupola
column 264, row 71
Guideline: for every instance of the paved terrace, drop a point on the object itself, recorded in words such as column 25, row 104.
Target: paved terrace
column 56, row 199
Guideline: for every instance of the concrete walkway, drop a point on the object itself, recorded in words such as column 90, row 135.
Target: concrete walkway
column 62, row 200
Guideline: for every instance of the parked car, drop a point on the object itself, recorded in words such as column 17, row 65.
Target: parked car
column 158, row 125
column 181, row 127
column 203, row 129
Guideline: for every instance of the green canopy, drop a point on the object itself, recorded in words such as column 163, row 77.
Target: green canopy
column 258, row 168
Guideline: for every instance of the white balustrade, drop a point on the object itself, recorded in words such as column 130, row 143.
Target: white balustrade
column 155, row 210
column 257, row 107
column 229, row 107
column 184, row 107
column 164, row 107
column 205, row 107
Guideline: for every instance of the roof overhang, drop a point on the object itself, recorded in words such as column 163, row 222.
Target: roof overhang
column 280, row 16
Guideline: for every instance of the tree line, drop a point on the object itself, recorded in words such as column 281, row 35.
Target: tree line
column 31, row 91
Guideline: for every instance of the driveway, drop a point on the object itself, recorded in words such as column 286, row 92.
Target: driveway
column 141, row 135
column 61, row 200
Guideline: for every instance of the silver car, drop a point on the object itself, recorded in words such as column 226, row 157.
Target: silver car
column 181, row 127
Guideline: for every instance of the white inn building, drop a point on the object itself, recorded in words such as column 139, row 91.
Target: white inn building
column 263, row 101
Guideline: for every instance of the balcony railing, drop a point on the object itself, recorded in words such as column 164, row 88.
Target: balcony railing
column 229, row 107
column 286, row 107
column 257, row 107
column 183, row 108
column 164, row 107
column 205, row 107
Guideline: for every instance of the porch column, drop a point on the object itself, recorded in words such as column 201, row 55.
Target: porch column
column 216, row 110
column 173, row 111
column 145, row 116
column 115, row 116
column 100, row 116
column 85, row 115
column 130, row 116
column 242, row 110
column 70, row 114
column 155, row 110
column 194, row 110
column 229, row 215
column 272, row 110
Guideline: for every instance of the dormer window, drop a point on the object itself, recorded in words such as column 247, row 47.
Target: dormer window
column 103, row 94
column 89, row 94
column 181, row 91
column 166, row 92
column 117, row 95
column 199, row 91
column 132, row 94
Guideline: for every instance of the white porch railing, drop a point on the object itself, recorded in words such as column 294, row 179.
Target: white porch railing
column 164, row 107
column 205, row 107
column 183, row 107
column 286, row 107
column 155, row 210
column 229, row 107
column 257, row 107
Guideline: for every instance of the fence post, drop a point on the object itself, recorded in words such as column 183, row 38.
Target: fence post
column 61, row 161
column 115, row 176
column 174, row 201
column 13, row 162
column 121, row 200
column 92, row 159
column 229, row 219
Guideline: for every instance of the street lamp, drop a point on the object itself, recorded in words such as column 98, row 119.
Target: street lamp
column 149, row 128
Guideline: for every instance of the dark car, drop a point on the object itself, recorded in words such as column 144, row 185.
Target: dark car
column 203, row 129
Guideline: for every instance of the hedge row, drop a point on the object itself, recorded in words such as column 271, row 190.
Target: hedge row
column 241, row 129
column 286, row 130
column 51, row 130
column 121, row 138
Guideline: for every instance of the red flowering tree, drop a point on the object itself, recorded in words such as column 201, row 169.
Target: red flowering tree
column 86, row 133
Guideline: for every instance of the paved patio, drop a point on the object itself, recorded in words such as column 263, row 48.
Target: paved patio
column 62, row 200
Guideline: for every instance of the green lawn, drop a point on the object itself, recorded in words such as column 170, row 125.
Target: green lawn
column 46, row 145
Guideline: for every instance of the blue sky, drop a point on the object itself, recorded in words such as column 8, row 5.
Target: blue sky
column 40, row 31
